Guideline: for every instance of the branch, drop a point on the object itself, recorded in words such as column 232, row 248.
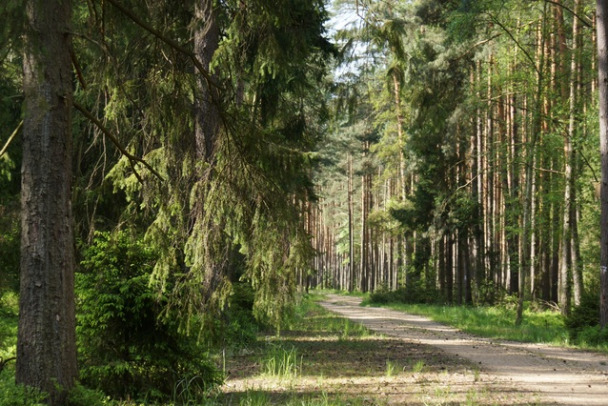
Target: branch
column 77, row 68
column 485, row 41
column 172, row 43
column 532, row 61
column 595, row 177
column 3, row 362
column 10, row 139
column 581, row 19
column 132, row 158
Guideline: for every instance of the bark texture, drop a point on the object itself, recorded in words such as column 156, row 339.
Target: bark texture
column 206, row 42
column 46, row 349
column 602, row 48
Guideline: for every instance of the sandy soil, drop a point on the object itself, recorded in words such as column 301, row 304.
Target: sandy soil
column 550, row 375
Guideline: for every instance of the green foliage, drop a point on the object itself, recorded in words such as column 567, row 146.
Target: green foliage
column 128, row 342
column 237, row 327
column 415, row 293
column 8, row 325
column 9, row 247
column 282, row 362
column 593, row 337
column 12, row 394
column 82, row 396
column 494, row 321
column 583, row 322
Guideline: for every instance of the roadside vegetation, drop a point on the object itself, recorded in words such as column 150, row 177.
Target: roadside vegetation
column 323, row 359
column 541, row 323
column 319, row 359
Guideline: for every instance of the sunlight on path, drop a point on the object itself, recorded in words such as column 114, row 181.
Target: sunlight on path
column 560, row 376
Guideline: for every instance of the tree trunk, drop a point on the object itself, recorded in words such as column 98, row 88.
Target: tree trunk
column 577, row 274
column 206, row 113
column 351, row 233
column 602, row 51
column 566, row 257
column 528, row 209
column 206, row 130
column 46, row 343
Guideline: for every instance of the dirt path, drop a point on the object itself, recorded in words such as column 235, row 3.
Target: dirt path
column 559, row 376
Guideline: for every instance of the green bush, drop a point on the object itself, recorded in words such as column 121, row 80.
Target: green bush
column 126, row 348
column 240, row 328
column 10, row 243
column 410, row 295
column 82, row 396
column 12, row 394
column 583, row 316
column 593, row 337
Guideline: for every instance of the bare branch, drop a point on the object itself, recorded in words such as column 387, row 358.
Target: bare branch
column 585, row 22
column 132, row 158
column 506, row 30
column 10, row 139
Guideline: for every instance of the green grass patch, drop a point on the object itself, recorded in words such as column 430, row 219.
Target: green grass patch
column 280, row 362
column 494, row 322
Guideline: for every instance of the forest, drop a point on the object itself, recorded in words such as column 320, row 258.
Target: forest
column 175, row 176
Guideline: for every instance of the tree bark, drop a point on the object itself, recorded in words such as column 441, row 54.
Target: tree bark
column 351, row 232
column 602, row 51
column 206, row 42
column 528, row 208
column 46, row 343
column 577, row 274
column 206, row 131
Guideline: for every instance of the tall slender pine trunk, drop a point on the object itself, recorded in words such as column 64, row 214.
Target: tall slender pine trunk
column 602, row 50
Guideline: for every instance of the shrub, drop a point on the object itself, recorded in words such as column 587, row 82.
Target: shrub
column 12, row 394
column 126, row 348
column 585, row 315
column 10, row 242
column 240, row 328
column 593, row 336
column 410, row 295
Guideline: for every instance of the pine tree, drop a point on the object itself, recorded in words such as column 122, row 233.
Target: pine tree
column 46, row 347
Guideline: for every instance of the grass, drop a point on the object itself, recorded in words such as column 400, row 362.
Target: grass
column 494, row 322
column 418, row 367
column 280, row 362
column 324, row 360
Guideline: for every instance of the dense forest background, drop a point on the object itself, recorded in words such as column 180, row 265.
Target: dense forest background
column 464, row 162
column 225, row 154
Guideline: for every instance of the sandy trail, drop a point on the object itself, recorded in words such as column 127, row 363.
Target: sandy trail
column 558, row 376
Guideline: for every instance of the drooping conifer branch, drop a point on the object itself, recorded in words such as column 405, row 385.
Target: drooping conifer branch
column 172, row 43
column 132, row 158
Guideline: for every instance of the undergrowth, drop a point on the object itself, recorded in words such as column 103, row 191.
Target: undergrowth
column 538, row 326
column 494, row 321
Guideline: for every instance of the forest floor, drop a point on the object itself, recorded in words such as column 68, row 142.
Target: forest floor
column 410, row 360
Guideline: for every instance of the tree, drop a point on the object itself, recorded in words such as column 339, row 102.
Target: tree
column 46, row 350
column 602, row 52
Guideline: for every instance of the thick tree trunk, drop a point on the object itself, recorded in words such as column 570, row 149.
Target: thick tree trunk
column 602, row 49
column 46, row 346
